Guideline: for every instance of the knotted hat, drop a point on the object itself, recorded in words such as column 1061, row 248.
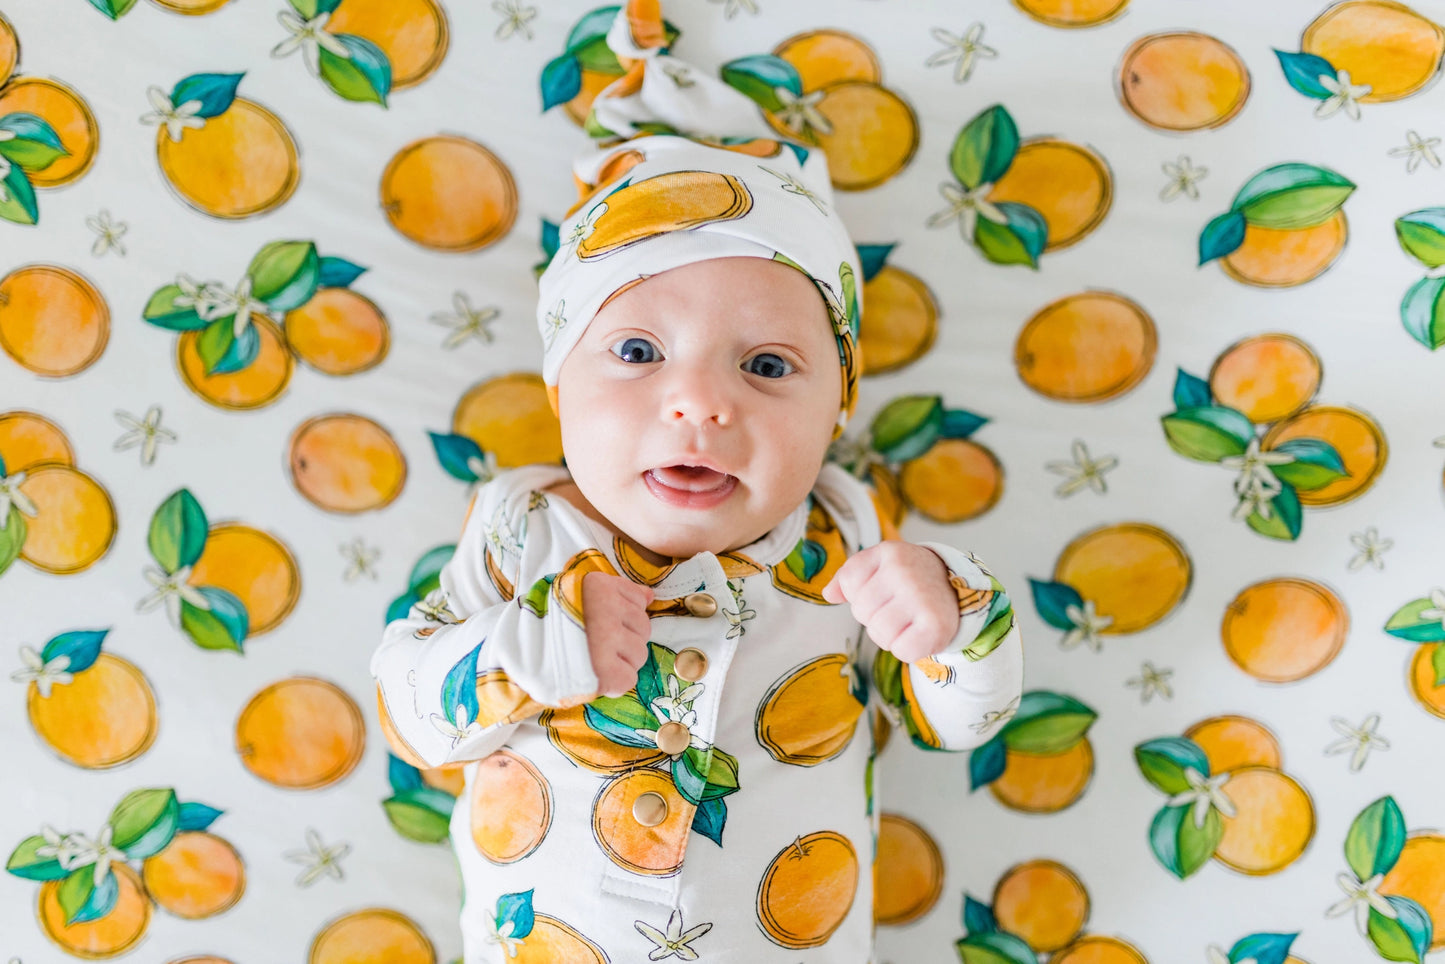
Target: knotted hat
column 683, row 168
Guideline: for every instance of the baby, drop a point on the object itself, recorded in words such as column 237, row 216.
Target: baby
column 657, row 661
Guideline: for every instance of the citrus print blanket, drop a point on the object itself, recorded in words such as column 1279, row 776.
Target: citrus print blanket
column 1151, row 320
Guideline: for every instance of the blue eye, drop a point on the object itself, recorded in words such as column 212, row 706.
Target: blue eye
column 769, row 366
column 638, row 351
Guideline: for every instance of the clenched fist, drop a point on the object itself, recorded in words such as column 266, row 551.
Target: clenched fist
column 615, row 609
column 901, row 594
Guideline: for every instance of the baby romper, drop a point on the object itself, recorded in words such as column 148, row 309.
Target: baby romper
column 723, row 809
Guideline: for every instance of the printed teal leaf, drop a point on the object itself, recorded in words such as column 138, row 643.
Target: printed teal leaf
column 1375, row 839
column 454, row 452
column 1316, row 463
column 363, row 75
column 759, row 77
column 1286, row 516
column 24, row 862
column 689, row 774
column 652, row 677
column 401, row 605
column 196, row 816
column 285, row 274
column 1052, row 600
column 1047, row 723
column 1303, row 71
column 960, row 423
column 1190, row 391
column 402, row 775
column 216, row 92
column 241, row 352
column 516, row 909
column 872, row 258
column 710, row 818
column 984, row 148
column 977, row 917
column 986, row 763
column 430, row 565
column 1019, row 240
column 1293, row 195
column 1423, row 312
column 162, row 312
column 592, row 25
column 1422, row 235
column 18, row 201
column 178, row 531
column 339, row 273
column 561, row 81
column 223, row 626
column 907, row 427
column 309, row 9
column 82, row 900
column 806, row 560
column 1208, row 433
column 1407, row 937
column 82, row 646
column 1262, row 948
column 216, row 346
column 114, row 9
column 1181, row 846
column 35, row 144
column 459, row 689
column 1163, row 762
column 144, row 822
column 612, row 720
column 1221, row 236
column 995, row 947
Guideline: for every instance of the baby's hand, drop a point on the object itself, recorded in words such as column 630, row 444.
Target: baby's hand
column 615, row 609
column 901, row 594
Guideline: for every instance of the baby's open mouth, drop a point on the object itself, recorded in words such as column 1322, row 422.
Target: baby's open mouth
column 689, row 486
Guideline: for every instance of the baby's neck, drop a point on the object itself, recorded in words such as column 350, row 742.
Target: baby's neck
column 568, row 490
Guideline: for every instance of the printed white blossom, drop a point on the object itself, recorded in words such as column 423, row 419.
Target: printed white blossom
column 1417, row 149
column 964, row 50
column 1203, row 793
column 673, row 943
column 172, row 590
column 1217, row 955
column 799, row 112
column 1082, row 471
column 221, row 301
column 309, row 36
column 500, row 535
column 320, row 860
column 465, row 321
column 360, row 558
column 176, row 118
column 109, row 231
column 729, row 11
column 1361, row 740
column 583, row 229
column 1437, row 607
column 503, row 936
column 436, row 608
column 1150, row 681
column 1342, row 94
column 5, row 135
column 1361, row 897
column 967, row 206
column 1087, row 625
column 76, row 850
column 146, row 432
column 1371, row 547
column 515, row 18
column 794, row 186
column 10, row 494
column 1256, row 484
column 1183, row 176
column 991, row 718
column 43, row 674
column 555, row 322
column 464, row 728
column 687, row 717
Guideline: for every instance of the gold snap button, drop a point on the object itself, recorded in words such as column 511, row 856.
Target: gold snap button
column 672, row 737
column 690, row 665
column 700, row 604
column 650, row 809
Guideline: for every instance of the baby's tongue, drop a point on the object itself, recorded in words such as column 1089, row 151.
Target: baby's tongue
column 689, row 478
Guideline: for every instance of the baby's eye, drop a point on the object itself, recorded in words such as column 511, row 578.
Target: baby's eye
column 635, row 350
column 769, row 365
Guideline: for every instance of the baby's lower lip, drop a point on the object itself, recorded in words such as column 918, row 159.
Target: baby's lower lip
column 689, row 488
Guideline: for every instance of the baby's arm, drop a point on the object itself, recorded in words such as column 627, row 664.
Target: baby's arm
column 499, row 642
column 955, row 669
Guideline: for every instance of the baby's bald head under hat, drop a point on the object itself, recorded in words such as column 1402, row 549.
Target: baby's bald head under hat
column 685, row 169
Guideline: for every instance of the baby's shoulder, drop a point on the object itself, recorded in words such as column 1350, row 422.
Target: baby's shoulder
column 840, row 500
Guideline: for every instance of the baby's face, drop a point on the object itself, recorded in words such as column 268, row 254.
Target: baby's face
column 698, row 406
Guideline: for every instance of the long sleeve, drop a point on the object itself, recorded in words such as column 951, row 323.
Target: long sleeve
column 502, row 638
column 956, row 699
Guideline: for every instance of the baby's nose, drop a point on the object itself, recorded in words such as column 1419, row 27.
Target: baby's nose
column 698, row 398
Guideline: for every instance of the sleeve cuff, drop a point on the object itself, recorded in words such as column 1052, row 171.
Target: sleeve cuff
column 985, row 612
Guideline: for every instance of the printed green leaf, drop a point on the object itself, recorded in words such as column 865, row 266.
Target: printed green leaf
column 223, row 626
column 1437, row 663
column 652, row 678
column 285, row 274
column 24, row 862
column 416, row 822
column 1208, row 433
column 1405, row 938
column 114, row 9
column 1422, row 311
column 1316, row 463
column 1422, row 235
column 144, row 822
column 535, row 599
column 984, row 148
column 1406, row 623
column 1181, row 846
column 994, row 947
column 82, row 900
column 35, row 144
column 178, row 531
column 1163, row 762
column 1019, row 240
column 17, row 199
column 1047, row 723
column 806, row 559
column 1286, row 516
column 162, row 312
column 363, row 75
column 1375, row 839
column 624, row 711
column 722, row 775
column 689, row 774
column 1290, row 196
column 760, row 76
column 12, row 537
column 907, row 427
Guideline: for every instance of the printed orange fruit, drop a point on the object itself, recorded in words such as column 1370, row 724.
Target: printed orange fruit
column 593, row 83
column 1267, row 377
column 555, row 942
column 395, row 743
column 1232, row 742
column 809, row 714
column 955, row 480
column 197, row 875
column 1284, row 257
column 412, row 33
column 499, row 700
column 338, row 332
column 1183, row 81
column 105, row 716
column 1355, row 435
column 1282, row 630
column 509, row 416
column 254, row 566
column 1422, row 680
column 448, row 193
column 1273, row 823
column 258, row 384
column 9, row 50
column 1379, row 42
column 1072, row 13
column 651, row 851
column 243, row 162
column 511, row 807
column 663, row 204
column 115, row 933
column 901, row 321
column 62, row 107
column 53, row 321
column 874, row 133
column 568, row 731
column 74, row 524
column 28, row 439
column 1088, row 347
column 192, row 7
column 808, row 889
column 1043, row 902
column 1092, row 949
column 1419, row 874
column 1134, row 572
column 300, row 734
column 372, row 936
column 823, row 57
column 907, row 871
column 823, row 531
column 346, row 463
column 1067, row 183
column 1044, row 783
